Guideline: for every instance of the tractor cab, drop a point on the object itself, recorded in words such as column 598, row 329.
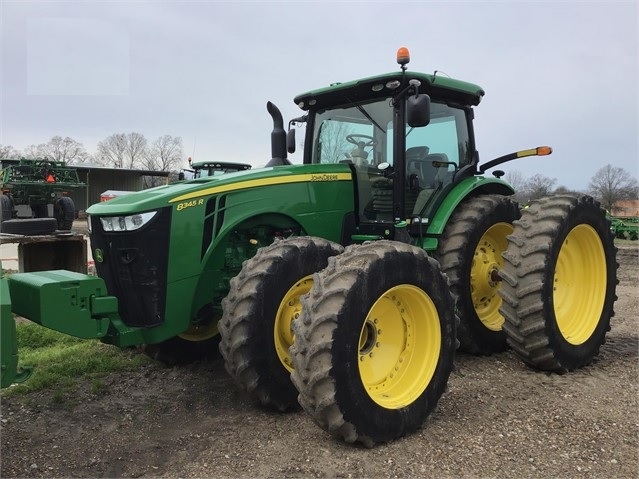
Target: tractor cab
column 406, row 136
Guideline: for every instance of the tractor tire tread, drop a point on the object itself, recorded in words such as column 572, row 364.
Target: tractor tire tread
column 453, row 255
column 526, row 271
column 241, row 307
column 314, row 330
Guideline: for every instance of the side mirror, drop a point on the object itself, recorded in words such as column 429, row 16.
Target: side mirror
column 418, row 110
column 290, row 141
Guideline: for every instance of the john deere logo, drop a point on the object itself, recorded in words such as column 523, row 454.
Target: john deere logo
column 99, row 255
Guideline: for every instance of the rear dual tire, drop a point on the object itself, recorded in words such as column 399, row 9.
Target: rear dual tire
column 560, row 276
column 470, row 254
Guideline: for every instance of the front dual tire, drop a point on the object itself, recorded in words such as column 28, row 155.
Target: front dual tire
column 262, row 302
column 374, row 344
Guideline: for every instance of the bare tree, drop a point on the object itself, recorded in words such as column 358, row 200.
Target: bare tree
column 111, row 150
column 518, row 181
column 58, row 149
column 122, row 150
column 8, row 152
column 165, row 154
column 334, row 144
column 32, row 152
column 62, row 149
column 136, row 150
column 611, row 184
column 538, row 186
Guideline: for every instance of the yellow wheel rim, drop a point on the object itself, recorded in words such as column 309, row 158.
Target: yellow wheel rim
column 399, row 346
column 579, row 284
column 484, row 282
column 198, row 332
column 290, row 309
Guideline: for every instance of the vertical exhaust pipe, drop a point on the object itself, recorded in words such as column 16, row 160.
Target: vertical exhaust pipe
column 278, row 137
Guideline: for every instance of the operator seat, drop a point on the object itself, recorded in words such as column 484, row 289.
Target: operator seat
column 359, row 156
column 417, row 170
column 433, row 179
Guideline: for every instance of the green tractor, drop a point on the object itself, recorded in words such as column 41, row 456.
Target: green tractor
column 345, row 284
column 37, row 183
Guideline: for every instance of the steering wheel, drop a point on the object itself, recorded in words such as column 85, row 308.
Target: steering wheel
column 354, row 140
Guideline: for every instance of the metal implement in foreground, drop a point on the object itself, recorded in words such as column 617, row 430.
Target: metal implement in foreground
column 346, row 283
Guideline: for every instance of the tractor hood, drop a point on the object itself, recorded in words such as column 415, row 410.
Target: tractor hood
column 173, row 194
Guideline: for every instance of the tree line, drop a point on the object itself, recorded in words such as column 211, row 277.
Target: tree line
column 120, row 150
column 609, row 185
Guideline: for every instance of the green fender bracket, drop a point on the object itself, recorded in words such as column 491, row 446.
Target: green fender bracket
column 9, row 372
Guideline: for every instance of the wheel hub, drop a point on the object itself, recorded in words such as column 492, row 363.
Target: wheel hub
column 399, row 346
column 289, row 310
column 579, row 286
column 484, row 275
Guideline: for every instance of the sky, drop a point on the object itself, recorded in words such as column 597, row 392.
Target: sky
column 563, row 74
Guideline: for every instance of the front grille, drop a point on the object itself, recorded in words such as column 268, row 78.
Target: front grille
column 134, row 268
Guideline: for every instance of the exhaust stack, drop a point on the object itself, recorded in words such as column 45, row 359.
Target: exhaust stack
column 278, row 137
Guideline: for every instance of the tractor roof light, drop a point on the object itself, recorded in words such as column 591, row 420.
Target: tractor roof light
column 403, row 57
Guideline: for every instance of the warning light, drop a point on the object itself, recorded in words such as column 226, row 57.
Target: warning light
column 544, row 150
column 403, row 57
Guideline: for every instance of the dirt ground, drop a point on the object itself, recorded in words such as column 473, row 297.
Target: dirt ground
column 498, row 419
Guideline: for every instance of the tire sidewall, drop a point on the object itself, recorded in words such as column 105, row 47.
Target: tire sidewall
column 254, row 316
column 64, row 212
column 501, row 212
column 281, row 276
column 571, row 356
column 29, row 226
column 368, row 417
column 6, row 207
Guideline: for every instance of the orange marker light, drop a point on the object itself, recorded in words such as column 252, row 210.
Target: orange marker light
column 544, row 150
column 403, row 56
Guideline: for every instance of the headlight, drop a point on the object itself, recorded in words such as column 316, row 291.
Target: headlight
column 126, row 223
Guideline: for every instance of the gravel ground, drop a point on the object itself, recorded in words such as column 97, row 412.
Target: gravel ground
column 498, row 419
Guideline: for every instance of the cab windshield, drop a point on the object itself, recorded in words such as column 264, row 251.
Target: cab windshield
column 359, row 133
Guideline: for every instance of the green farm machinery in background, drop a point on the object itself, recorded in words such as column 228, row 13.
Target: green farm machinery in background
column 37, row 183
column 346, row 283
column 625, row 228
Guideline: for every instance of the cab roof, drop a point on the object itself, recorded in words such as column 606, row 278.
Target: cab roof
column 438, row 87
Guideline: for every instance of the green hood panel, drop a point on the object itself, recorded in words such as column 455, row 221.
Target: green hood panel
column 190, row 190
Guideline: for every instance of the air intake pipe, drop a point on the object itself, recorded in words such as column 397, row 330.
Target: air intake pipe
column 278, row 137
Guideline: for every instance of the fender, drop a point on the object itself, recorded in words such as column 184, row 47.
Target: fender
column 467, row 188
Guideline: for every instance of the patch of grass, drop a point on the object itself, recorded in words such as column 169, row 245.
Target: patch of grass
column 60, row 361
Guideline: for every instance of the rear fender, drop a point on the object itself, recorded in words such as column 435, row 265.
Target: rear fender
column 468, row 188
